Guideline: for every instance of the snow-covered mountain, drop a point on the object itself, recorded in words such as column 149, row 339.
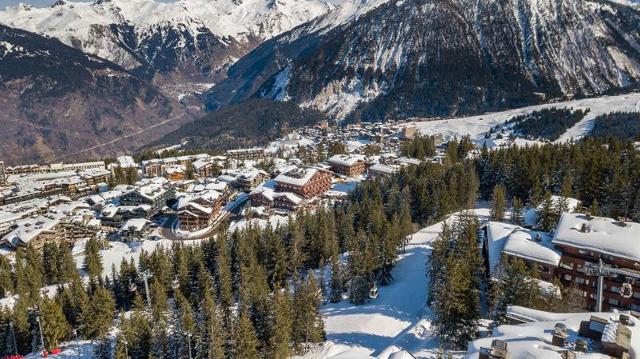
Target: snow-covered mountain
column 443, row 57
column 194, row 37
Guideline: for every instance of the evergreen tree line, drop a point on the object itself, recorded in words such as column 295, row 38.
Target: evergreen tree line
column 419, row 147
column 548, row 123
column 603, row 174
column 455, row 277
column 621, row 125
column 121, row 175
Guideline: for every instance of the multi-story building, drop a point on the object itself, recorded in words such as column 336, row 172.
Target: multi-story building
column 249, row 179
column 305, row 182
column 56, row 167
column 585, row 239
column 155, row 195
column 199, row 212
column 242, row 154
column 3, row 176
column 348, row 165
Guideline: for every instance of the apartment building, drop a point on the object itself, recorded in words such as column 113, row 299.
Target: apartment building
column 304, row 182
column 584, row 240
column 348, row 165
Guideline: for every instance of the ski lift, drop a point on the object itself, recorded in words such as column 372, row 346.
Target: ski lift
column 626, row 291
column 373, row 292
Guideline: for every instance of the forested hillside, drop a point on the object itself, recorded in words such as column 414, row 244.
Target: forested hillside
column 250, row 123
column 621, row 125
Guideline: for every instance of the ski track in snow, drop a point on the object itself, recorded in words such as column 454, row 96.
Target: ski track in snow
column 477, row 126
column 398, row 319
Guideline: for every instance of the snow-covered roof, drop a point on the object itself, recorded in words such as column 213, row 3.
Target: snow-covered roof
column 296, row 177
column 126, row 162
column 291, row 197
column 602, row 235
column 379, row 167
column 345, row 160
column 532, row 245
column 497, row 234
column 135, row 224
column 533, row 339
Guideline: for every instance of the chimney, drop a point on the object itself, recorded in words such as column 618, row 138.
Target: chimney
column 559, row 337
column 622, row 221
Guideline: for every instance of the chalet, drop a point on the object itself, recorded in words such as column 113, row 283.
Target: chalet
column 135, row 230
column 584, row 240
column 380, row 170
column 348, row 165
column 267, row 197
column 304, row 182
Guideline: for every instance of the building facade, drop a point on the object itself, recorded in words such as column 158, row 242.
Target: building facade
column 584, row 240
column 347, row 165
column 306, row 183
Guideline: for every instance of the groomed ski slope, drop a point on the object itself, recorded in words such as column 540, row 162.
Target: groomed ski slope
column 477, row 126
column 398, row 319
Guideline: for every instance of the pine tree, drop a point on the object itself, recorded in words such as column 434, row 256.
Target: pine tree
column 99, row 316
column 498, row 204
column 93, row 259
column 279, row 344
column 54, row 324
column 547, row 217
column 337, row 282
column 517, row 212
column 515, row 285
column 308, row 326
column 6, row 280
column 245, row 342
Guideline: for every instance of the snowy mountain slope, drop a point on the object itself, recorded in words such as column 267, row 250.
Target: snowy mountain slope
column 477, row 126
column 423, row 57
column 197, row 37
column 398, row 319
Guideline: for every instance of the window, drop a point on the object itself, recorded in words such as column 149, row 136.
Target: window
column 615, row 289
column 584, row 252
column 566, row 265
column 613, row 301
column 580, row 280
column 567, row 277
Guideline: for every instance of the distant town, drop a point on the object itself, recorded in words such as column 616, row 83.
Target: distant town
column 126, row 204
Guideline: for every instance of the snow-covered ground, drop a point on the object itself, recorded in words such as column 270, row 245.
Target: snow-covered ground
column 477, row 126
column 398, row 319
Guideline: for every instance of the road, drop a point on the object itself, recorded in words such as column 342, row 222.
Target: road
column 129, row 135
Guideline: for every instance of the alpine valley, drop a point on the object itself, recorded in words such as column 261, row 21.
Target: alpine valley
column 349, row 59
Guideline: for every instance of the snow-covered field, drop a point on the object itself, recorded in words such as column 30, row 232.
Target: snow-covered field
column 477, row 126
column 397, row 320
